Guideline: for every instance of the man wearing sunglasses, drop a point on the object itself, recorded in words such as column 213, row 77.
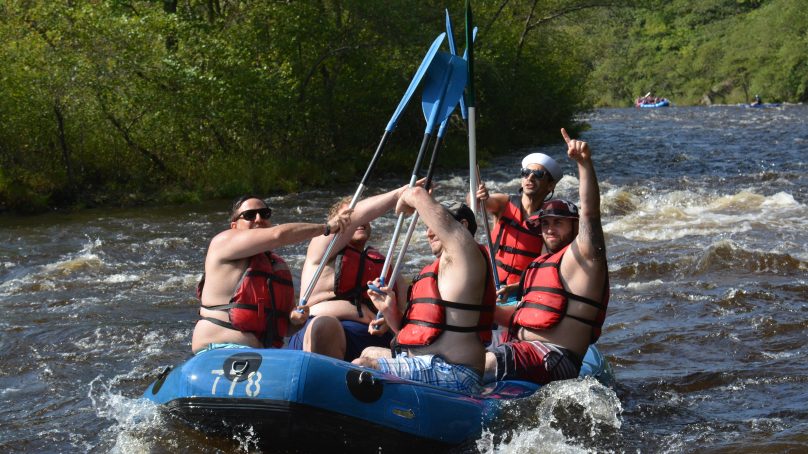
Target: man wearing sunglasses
column 565, row 292
column 516, row 238
column 338, row 312
column 246, row 291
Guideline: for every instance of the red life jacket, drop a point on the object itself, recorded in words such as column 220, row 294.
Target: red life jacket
column 262, row 301
column 544, row 301
column 425, row 316
column 352, row 270
column 518, row 241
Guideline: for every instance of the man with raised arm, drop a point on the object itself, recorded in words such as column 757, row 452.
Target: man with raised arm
column 338, row 312
column 246, row 291
column 565, row 292
column 441, row 335
column 515, row 237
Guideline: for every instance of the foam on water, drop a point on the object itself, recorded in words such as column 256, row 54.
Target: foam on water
column 185, row 281
column 676, row 214
column 641, row 286
column 123, row 277
column 53, row 276
column 567, row 416
column 168, row 243
column 131, row 417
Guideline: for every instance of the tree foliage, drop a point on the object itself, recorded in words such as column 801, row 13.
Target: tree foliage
column 129, row 101
column 117, row 102
column 710, row 51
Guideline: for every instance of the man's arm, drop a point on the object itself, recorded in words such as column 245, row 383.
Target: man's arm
column 454, row 237
column 494, row 203
column 590, row 242
column 235, row 244
column 460, row 257
column 365, row 211
column 503, row 315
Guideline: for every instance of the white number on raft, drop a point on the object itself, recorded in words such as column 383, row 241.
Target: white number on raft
column 252, row 386
column 219, row 372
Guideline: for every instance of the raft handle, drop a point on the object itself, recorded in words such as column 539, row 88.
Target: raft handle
column 161, row 379
column 365, row 375
column 239, row 367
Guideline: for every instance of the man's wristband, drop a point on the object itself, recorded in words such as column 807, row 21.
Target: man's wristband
column 327, row 230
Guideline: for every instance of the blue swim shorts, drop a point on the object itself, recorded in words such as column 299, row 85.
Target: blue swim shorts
column 213, row 346
column 433, row 370
column 357, row 338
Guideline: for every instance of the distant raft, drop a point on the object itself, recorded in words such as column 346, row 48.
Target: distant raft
column 664, row 102
column 762, row 105
column 296, row 400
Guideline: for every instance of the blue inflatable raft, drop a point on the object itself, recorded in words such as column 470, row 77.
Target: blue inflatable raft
column 296, row 400
column 662, row 103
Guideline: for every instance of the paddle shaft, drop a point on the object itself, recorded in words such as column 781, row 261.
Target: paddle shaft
column 487, row 230
column 354, row 200
column 400, row 222
column 414, row 178
column 473, row 182
column 470, row 102
column 419, row 75
column 414, row 220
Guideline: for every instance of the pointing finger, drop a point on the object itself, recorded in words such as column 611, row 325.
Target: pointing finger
column 565, row 135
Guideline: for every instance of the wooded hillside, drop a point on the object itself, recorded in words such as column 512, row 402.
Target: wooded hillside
column 124, row 102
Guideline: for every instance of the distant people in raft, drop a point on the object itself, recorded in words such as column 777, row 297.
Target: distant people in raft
column 648, row 100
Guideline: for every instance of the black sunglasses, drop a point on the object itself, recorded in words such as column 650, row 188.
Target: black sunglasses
column 251, row 214
column 526, row 173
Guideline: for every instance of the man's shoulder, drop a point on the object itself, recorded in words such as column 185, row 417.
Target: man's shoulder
column 470, row 254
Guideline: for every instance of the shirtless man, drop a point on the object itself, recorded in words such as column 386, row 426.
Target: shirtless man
column 565, row 292
column 338, row 312
column 441, row 336
column 515, row 237
column 246, row 292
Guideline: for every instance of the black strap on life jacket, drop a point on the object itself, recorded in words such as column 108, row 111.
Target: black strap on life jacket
column 272, row 314
column 512, row 334
column 508, row 268
column 497, row 244
column 354, row 295
column 449, row 304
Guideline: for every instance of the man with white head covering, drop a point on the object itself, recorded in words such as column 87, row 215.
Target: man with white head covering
column 516, row 237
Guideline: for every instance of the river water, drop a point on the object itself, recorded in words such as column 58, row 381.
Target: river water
column 706, row 218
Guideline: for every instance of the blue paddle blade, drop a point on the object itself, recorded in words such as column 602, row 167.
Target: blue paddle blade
column 416, row 80
column 449, row 33
column 453, row 49
column 443, row 88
